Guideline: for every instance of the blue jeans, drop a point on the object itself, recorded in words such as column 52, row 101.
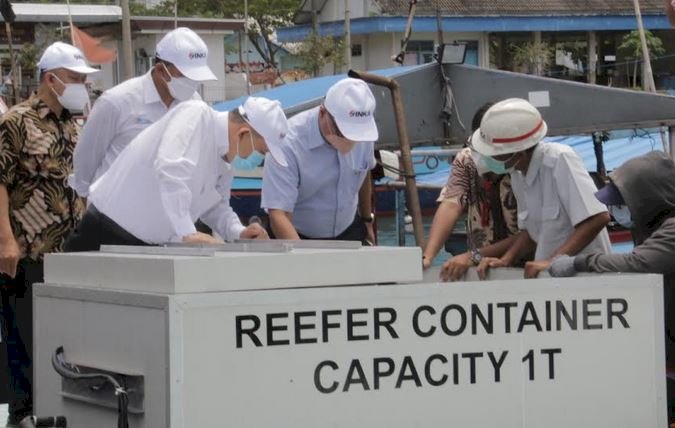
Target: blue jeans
column 16, row 317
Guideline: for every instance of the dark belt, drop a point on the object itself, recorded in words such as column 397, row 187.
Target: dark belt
column 354, row 232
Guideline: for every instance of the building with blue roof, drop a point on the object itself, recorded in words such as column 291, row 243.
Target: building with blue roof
column 584, row 35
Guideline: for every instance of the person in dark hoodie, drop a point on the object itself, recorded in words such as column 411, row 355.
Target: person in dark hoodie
column 641, row 197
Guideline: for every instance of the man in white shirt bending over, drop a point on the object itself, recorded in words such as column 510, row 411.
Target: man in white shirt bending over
column 180, row 170
column 557, row 209
column 122, row 112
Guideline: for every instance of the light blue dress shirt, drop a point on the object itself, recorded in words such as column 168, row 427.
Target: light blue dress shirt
column 320, row 186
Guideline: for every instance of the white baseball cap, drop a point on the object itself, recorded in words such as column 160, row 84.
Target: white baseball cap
column 352, row 105
column 63, row 55
column 268, row 119
column 510, row 126
column 183, row 48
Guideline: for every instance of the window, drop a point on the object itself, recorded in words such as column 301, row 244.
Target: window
column 357, row 50
column 419, row 52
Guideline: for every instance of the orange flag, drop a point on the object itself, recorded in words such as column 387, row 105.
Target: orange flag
column 91, row 47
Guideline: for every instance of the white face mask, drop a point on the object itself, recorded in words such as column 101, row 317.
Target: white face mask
column 340, row 144
column 181, row 88
column 74, row 98
column 622, row 215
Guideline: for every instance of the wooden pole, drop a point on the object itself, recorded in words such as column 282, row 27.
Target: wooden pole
column 592, row 56
column 413, row 200
column 12, row 64
column 648, row 78
column 248, row 73
column 348, row 38
column 127, row 52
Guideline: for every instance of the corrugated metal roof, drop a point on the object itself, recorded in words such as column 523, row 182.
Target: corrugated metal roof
column 522, row 7
column 46, row 12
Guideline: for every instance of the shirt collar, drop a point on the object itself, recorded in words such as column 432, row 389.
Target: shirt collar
column 150, row 94
column 316, row 139
column 43, row 109
column 220, row 130
column 535, row 164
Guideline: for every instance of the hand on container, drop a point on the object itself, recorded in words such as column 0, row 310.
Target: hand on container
column 254, row 231
column 533, row 268
column 201, row 238
column 486, row 263
column 455, row 268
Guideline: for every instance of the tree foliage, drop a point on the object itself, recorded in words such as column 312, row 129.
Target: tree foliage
column 316, row 52
column 532, row 56
column 632, row 48
column 265, row 16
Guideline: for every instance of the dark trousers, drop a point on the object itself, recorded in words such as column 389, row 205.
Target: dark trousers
column 16, row 317
column 96, row 229
column 670, row 385
column 355, row 232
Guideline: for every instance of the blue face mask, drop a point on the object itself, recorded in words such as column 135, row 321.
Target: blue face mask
column 252, row 161
column 495, row 166
column 622, row 215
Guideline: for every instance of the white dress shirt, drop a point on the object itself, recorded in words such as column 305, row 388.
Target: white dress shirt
column 118, row 116
column 555, row 195
column 320, row 186
column 169, row 176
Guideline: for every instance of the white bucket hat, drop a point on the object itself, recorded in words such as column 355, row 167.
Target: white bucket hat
column 509, row 126
column 184, row 49
column 63, row 55
column 352, row 105
column 268, row 119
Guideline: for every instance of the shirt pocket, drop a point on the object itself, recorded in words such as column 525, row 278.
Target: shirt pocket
column 550, row 212
column 358, row 175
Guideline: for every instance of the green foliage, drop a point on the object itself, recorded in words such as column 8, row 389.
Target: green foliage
column 29, row 54
column 71, row 1
column 632, row 48
column 534, row 57
column 265, row 16
column 139, row 9
column 317, row 51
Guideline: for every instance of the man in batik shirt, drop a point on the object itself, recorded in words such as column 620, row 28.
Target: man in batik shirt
column 486, row 199
column 37, row 208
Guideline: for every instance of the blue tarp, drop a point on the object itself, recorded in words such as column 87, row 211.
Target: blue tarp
column 622, row 146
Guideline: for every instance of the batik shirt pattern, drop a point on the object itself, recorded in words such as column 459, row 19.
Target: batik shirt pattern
column 492, row 215
column 36, row 157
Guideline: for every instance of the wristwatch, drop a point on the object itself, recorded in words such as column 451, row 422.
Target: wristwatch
column 476, row 257
column 368, row 219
